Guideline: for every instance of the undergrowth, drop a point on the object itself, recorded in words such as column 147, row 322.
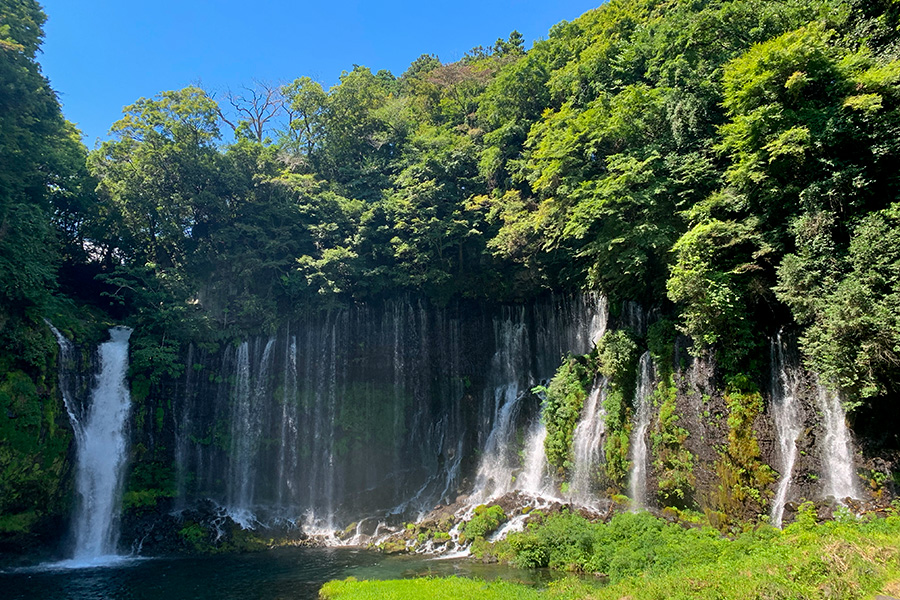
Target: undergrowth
column 646, row 558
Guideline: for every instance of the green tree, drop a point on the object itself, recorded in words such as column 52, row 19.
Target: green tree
column 41, row 171
column 305, row 105
column 31, row 128
column 160, row 174
column 41, row 183
column 365, row 127
column 851, row 303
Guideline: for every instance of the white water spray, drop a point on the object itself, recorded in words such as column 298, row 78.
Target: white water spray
column 101, row 444
column 495, row 474
column 837, row 450
column 283, row 436
column 788, row 425
column 249, row 397
column 533, row 479
column 509, row 373
column 587, row 439
column 66, row 358
column 637, row 482
column 599, row 321
column 587, row 443
column 288, row 458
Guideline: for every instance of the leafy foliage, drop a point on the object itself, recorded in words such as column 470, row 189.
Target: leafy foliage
column 673, row 463
column 648, row 558
column 485, row 521
column 850, row 304
column 561, row 407
column 617, row 355
column 673, row 152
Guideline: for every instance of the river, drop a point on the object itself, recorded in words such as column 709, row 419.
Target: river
column 295, row 573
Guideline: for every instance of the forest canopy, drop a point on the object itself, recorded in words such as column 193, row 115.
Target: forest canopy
column 733, row 164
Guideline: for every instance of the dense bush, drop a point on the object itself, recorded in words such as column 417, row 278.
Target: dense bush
column 673, row 463
column 563, row 400
column 631, row 543
column 617, row 354
column 484, row 521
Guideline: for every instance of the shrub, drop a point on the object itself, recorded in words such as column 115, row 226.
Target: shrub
column 673, row 463
column 563, row 400
column 485, row 521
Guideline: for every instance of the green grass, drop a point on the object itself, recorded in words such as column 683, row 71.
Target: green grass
column 648, row 559
column 450, row 588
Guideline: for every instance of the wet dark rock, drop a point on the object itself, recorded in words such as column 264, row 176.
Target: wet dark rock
column 203, row 528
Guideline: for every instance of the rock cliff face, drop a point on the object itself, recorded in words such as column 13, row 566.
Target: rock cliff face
column 801, row 432
column 361, row 419
column 373, row 412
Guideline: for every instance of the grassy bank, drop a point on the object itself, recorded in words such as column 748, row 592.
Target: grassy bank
column 645, row 558
column 447, row 588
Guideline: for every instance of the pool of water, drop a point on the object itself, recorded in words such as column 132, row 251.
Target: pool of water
column 288, row 573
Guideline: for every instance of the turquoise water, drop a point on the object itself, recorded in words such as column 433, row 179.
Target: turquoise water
column 287, row 573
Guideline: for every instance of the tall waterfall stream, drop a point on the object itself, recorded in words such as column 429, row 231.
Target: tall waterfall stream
column 792, row 394
column 837, row 453
column 101, row 442
column 640, row 459
column 587, row 443
column 788, row 425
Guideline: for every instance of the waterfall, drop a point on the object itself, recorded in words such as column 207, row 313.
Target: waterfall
column 375, row 411
column 496, row 472
column 599, row 319
column 183, row 426
column 64, row 365
column 241, row 441
column 637, row 481
column 587, row 443
column 587, row 439
column 249, row 405
column 319, row 514
column 533, row 479
column 510, row 377
column 101, row 449
column 568, row 326
column 633, row 317
column 287, row 450
column 784, row 388
column 837, row 450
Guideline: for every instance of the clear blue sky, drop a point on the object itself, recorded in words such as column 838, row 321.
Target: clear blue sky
column 101, row 55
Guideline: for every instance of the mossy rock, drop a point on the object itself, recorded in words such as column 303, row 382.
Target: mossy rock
column 393, row 547
column 484, row 522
